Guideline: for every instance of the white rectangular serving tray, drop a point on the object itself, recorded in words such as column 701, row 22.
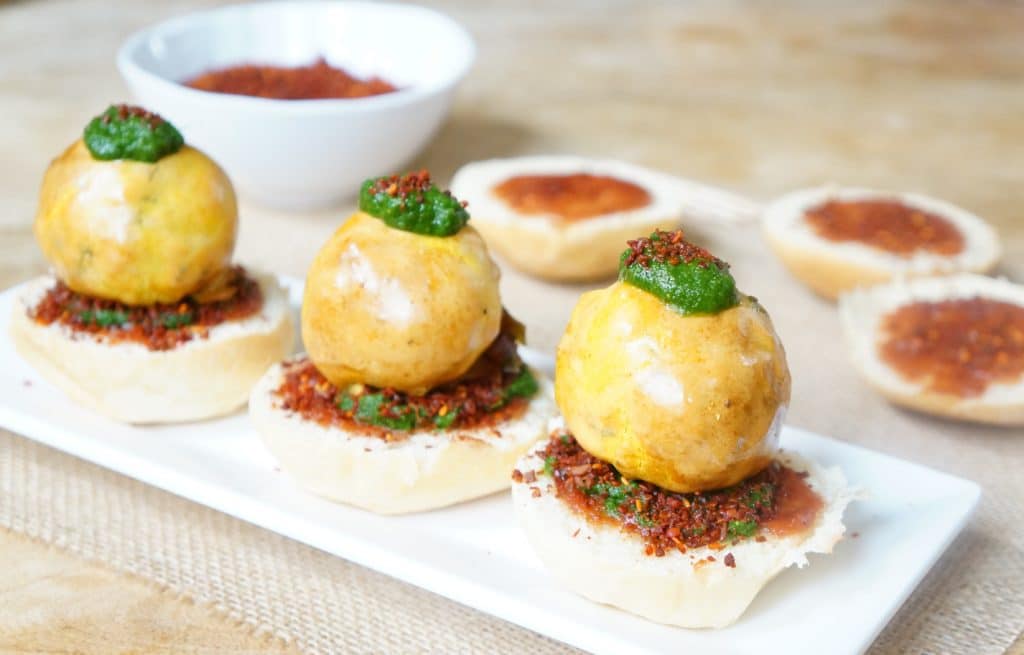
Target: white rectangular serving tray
column 474, row 553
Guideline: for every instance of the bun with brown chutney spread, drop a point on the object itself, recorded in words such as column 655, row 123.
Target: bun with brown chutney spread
column 951, row 346
column 412, row 394
column 565, row 218
column 837, row 239
column 145, row 318
column 663, row 491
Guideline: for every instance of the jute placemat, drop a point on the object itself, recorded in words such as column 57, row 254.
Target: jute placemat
column 323, row 604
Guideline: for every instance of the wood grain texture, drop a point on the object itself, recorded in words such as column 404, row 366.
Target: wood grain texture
column 55, row 603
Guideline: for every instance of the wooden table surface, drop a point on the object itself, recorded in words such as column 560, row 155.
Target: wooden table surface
column 757, row 97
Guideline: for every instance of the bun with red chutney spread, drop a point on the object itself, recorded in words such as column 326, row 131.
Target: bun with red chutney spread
column 145, row 319
column 412, row 394
column 562, row 217
column 951, row 346
column 664, row 492
column 836, row 239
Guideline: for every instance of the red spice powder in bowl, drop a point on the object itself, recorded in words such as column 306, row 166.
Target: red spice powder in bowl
column 316, row 81
column 308, row 152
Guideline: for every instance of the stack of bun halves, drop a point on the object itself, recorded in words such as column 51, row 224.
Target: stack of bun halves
column 663, row 491
column 145, row 318
column 412, row 394
column 924, row 325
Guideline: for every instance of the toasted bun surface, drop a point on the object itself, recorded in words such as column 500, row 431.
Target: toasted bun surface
column 862, row 312
column 202, row 378
column 546, row 245
column 830, row 267
column 426, row 470
column 607, row 565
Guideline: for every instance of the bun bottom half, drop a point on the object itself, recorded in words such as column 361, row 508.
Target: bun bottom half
column 127, row 382
column 822, row 272
column 606, row 565
column 426, row 470
column 549, row 247
column 862, row 313
column 831, row 268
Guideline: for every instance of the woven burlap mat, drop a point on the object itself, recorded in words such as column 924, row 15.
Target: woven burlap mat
column 319, row 602
column 970, row 604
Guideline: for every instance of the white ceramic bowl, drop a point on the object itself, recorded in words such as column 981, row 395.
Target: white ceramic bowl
column 303, row 154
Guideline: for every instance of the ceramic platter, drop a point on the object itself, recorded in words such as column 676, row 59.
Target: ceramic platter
column 474, row 553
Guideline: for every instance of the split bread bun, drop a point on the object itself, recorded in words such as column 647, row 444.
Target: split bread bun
column 425, row 470
column 607, row 565
column 832, row 267
column 549, row 246
column 862, row 313
column 127, row 382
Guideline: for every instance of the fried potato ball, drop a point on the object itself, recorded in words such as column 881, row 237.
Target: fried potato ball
column 392, row 308
column 689, row 403
column 139, row 233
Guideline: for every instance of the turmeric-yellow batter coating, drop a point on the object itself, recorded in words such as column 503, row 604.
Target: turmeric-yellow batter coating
column 687, row 402
column 393, row 308
column 136, row 232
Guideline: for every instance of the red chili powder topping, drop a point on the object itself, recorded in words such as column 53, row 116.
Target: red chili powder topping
column 887, row 225
column 403, row 186
column 958, row 347
column 777, row 500
column 668, row 248
column 571, row 197
column 158, row 327
column 126, row 111
column 497, row 388
column 316, row 81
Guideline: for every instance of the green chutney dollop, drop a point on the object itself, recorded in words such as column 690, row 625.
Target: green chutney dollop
column 128, row 132
column 687, row 278
column 413, row 203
